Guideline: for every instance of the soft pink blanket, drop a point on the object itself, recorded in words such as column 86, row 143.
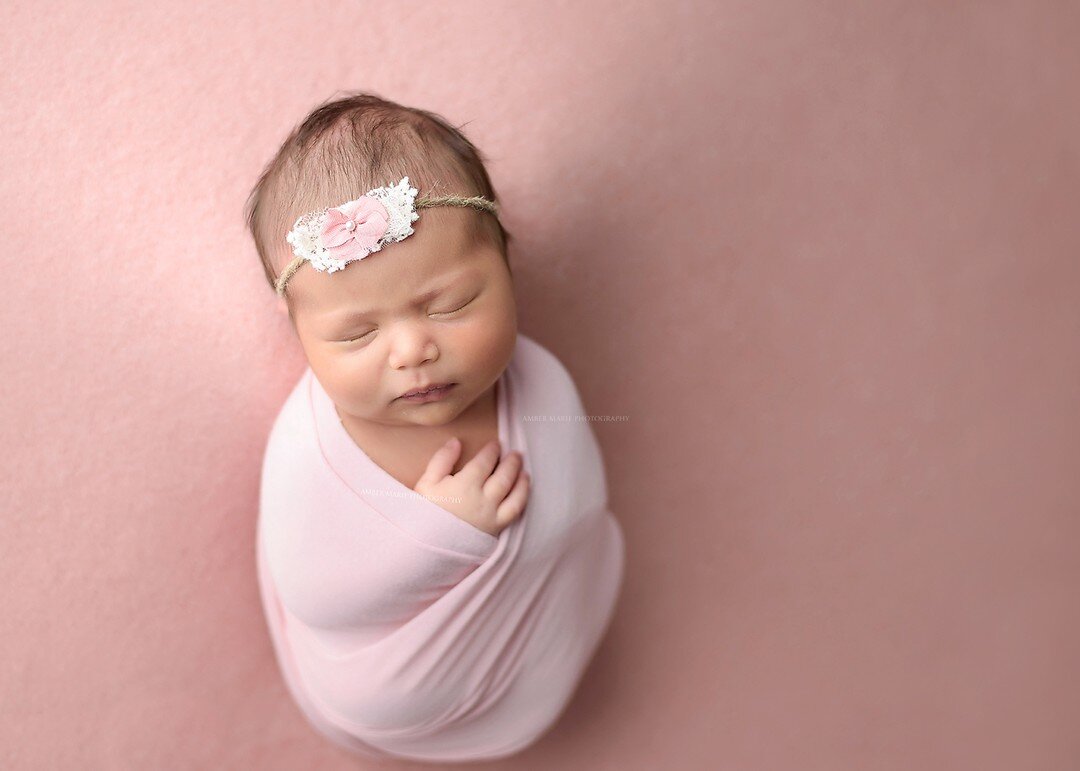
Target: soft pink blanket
column 403, row 631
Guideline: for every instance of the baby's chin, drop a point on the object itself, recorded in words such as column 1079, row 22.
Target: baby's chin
column 431, row 415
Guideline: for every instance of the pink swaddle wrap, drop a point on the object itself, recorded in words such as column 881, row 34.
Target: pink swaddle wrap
column 403, row 631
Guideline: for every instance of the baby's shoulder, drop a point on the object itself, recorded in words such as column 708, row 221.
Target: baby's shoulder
column 294, row 419
column 292, row 451
column 543, row 376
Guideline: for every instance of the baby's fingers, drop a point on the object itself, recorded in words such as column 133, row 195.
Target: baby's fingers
column 514, row 503
column 499, row 483
column 441, row 463
column 479, row 467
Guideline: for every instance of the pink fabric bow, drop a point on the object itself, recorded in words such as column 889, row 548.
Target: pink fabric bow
column 354, row 227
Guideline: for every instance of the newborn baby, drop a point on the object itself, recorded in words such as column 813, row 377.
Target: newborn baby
column 437, row 563
column 434, row 314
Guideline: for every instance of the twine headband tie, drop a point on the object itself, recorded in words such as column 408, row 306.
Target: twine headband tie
column 330, row 238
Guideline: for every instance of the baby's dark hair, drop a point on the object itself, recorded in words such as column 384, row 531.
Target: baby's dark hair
column 349, row 145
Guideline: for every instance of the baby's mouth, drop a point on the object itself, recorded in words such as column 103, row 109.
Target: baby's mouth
column 435, row 389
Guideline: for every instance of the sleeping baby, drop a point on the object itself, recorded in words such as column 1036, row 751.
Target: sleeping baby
column 436, row 558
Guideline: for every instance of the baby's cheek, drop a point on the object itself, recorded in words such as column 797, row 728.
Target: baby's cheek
column 488, row 343
column 357, row 384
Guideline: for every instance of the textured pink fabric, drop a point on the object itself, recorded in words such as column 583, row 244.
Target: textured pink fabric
column 402, row 630
column 353, row 228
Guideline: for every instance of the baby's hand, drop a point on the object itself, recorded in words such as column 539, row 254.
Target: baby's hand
column 486, row 500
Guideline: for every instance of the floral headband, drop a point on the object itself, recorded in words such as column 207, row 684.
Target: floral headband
column 331, row 237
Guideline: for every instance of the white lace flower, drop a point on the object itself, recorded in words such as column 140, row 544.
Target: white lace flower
column 331, row 237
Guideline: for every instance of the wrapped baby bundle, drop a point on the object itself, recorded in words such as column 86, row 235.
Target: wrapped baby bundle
column 401, row 630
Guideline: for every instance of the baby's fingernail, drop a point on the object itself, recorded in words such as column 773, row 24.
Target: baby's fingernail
column 452, row 440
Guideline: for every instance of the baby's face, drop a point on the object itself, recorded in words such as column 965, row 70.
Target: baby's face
column 433, row 308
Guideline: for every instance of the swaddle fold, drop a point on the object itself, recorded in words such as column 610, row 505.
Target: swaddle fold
column 401, row 629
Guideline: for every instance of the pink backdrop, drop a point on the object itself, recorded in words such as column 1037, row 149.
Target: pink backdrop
column 822, row 256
